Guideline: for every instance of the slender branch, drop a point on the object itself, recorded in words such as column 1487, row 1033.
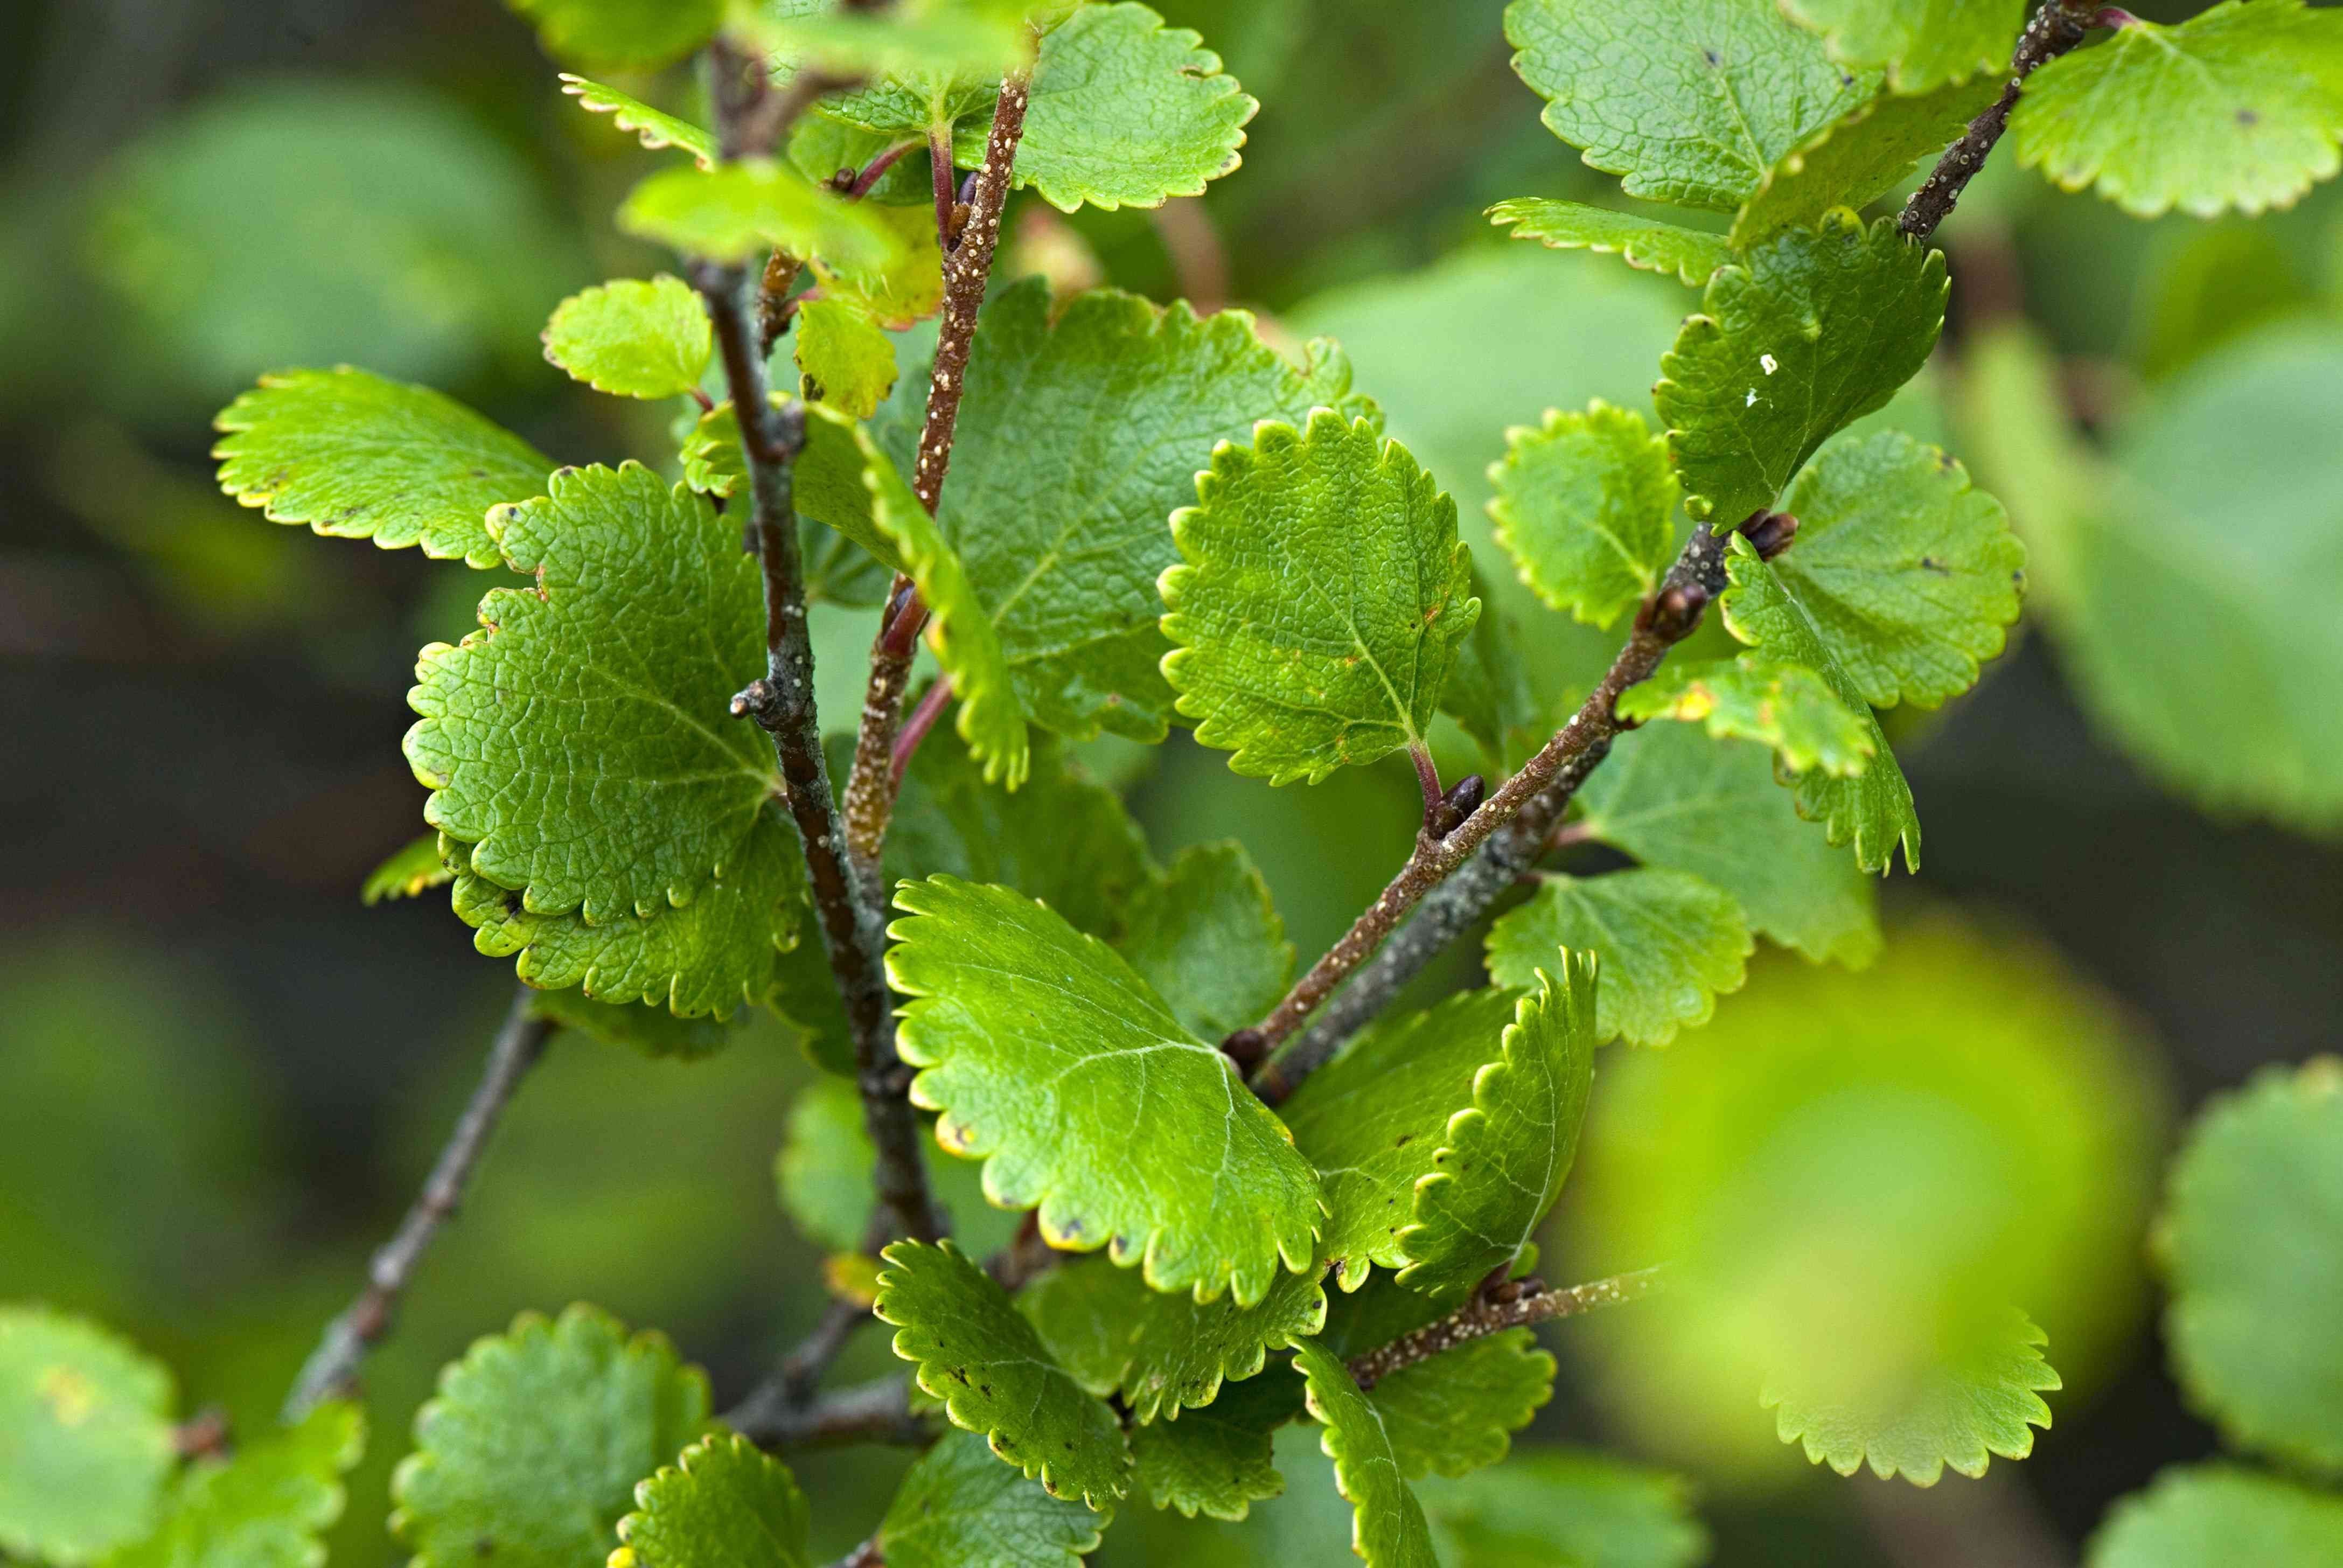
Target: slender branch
column 332, row 1368
column 1200, row 261
column 2056, row 28
column 1512, row 1305
column 875, row 1412
column 915, row 728
column 968, row 269
column 1668, row 618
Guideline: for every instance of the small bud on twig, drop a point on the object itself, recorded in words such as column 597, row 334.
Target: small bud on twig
column 1459, row 802
column 1770, row 533
column 1246, row 1048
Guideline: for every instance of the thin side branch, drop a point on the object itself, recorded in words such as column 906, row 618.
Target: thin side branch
column 1668, row 617
column 2056, row 28
column 877, row 1411
column 1514, row 1304
column 332, row 1368
column 968, row 269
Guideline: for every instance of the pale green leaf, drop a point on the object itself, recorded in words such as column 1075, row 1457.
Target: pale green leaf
column 1867, row 153
column 1692, row 256
column 1671, row 797
column 582, row 741
column 407, row 873
column 264, row 1507
column 1323, row 593
column 633, row 338
column 1161, row 1351
column 1874, row 811
column 1981, row 1401
column 1571, row 1506
column 654, row 1030
column 824, row 1174
column 1206, row 936
column 655, row 128
column 2238, row 106
column 1911, row 576
column 843, row 359
column 1919, row 44
column 960, row 1505
column 1692, row 101
column 1219, row 1461
column 847, row 560
column 722, row 1504
column 1786, row 707
column 907, row 287
column 622, row 35
column 357, row 456
column 707, row 957
column 2252, row 1243
column 1388, row 1527
column 738, row 211
column 2215, row 1515
column 1586, row 506
column 531, row 1448
column 1456, row 1412
column 1043, row 1050
column 1372, row 1120
column 980, row 1357
column 84, row 1437
column 928, row 40
column 1669, row 944
column 1503, row 1160
column 1800, row 337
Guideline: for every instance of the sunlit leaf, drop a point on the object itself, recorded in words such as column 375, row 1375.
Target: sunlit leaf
column 633, row 338
column 1388, row 1527
column 720, row 1504
column 84, row 1437
column 1692, row 256
column 1669, row 945
column 1586, row 506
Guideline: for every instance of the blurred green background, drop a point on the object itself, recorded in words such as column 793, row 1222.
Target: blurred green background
column 224, row 1077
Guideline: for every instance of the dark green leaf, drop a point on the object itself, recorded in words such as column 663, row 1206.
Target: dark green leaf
column 1206, row 938
column 1668, row 943
column 722, row 1504
column 960, row 1507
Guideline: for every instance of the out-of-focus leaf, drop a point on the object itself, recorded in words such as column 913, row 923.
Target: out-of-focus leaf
column 823, row 1172
column 1206, row 938
column 633, row 338
column 654, row 128
column 1568, row 1506
column 1692, row 256
column 1919, row 44
column 264, row 1507
column 416, row 867
column 2212, row 1516
column 738, row 211
column 84, row 1437
column 622, row 35
column 843, row 359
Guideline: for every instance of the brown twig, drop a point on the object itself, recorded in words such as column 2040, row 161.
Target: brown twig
column 332, row 1368
column 1512, row 1304
column 968, row 269
column 2056, row 28
column 875, row 1412
column 1200, row 261
column 1668, row 618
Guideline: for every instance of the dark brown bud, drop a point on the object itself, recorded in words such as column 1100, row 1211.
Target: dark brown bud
column 1448, row 813
column 843, row 180
column 1246, row 1048
column 1770, row 533
column 1678, row 609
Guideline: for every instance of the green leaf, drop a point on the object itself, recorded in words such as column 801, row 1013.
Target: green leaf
column 738, row 211
column 1586, row 506
column 1388, row 1527
column 722, row 1504
column 622, row 34
column 406, row 874
column 1669, row 944
column 1862, row 156
column 1206, row 936
column 820, row 146
column 848, row 560
column 2210, row 1515
column 1043, row 1050
column 655, row 1032
column 267, row 1507
column 1919, row 44
column 1786, row 707
column 1982, row 1401
column 1691, row 254
column 975, row 1352
column 1568, row 1506
column 655, row 128
column 1457, row 1411
column 1163, row 1352
column 1218, row 1460
column 1802, row 336
column 531, row 1449
column 1873, row 811
column 823, row 1172
column 2238, row 106
column 960, row 1505
column 357, row 456
column 84, row 1437
column 910, row 285
column 1671, row 797
column 632, row 338
column 582, row 741
column 2252, row 1243
column 1372, row 1120
column 709, row 956
column 1082, row 430
column 843, row 359
column 1502, row 1161
column 1691, row 100
column 1298, row 684
column 932, row 41
column 1911, row 575
column 1488, row 690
